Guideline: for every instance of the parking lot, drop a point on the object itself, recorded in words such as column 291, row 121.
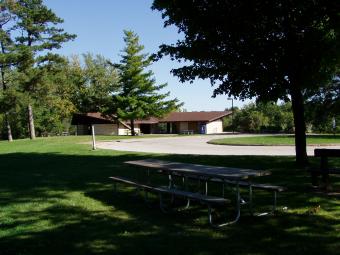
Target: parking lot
column 198, row 145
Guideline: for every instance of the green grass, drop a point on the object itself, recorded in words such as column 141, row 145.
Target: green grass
column 277, row 140
column 56, row 198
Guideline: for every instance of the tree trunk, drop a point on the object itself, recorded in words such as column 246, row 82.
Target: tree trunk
column 31, row 122
column 9, row 129
column 4, row 87
column 132, row 125
column 300, row 127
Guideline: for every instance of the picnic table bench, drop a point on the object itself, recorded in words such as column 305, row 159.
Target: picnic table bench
column 204, row 199
column 238, row 177
column 243, row 183
column 324, row 170
column 187, row 132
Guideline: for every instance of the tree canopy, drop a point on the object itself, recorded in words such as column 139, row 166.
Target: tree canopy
column 265, row 49
column 138, row 96
column 92, row 81
column 32, row 35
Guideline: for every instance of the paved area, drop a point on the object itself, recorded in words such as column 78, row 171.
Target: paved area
column 198, row 145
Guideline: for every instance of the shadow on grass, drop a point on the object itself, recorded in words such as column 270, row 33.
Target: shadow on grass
column 61, row 204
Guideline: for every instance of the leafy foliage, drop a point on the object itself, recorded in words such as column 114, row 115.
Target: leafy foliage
column 324, row 105
column 265, row 49
column 263, row 117
column 92, row 81
column 254, row 49
column 31, row 36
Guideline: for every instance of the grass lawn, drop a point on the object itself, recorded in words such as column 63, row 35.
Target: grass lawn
column 277, row 140
column 56, row 198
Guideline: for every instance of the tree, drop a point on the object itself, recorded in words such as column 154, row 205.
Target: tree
column 323, row 105
column 265, row 49
column 93, row 82
column 6, row 60
column 53, row 103
column 264, row 117
column 35, row 34
column 137, row 97
column 250, row 119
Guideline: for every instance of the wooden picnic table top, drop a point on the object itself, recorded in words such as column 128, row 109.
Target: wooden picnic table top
column 199, row 170
column 327, row 152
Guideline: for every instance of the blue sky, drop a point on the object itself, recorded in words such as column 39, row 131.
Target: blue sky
column 99, row 28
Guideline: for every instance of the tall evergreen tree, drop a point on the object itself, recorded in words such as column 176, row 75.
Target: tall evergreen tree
column 6, row 60
column 138, row 96
column 36, row 33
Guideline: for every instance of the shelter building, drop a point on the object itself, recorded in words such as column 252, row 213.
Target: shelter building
column 173, row 123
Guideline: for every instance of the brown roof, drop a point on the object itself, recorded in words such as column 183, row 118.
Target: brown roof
column 98, row 118
column 151, row 120
column 194, row 116
column 91, row 118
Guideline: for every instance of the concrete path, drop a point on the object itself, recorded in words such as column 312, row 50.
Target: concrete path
column 198, row 145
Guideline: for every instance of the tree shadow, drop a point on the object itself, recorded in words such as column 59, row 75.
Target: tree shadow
column 64, row 204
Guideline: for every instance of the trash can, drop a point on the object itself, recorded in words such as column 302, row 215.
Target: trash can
column 202, row 129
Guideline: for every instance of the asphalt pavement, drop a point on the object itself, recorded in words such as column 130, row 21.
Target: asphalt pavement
column 198, row 145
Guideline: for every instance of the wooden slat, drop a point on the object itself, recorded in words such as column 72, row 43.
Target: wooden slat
column 325, row 171
column 202, row 170
column 180, row 193
column 263, row 186
column 327, row 152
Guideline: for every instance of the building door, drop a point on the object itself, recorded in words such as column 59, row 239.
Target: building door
column 145, row 128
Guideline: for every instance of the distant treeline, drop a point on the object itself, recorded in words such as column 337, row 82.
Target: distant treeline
column 278, row 118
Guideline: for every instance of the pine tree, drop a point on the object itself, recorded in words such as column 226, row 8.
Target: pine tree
column 6, row 61
column 36, row 33
column 138, row 96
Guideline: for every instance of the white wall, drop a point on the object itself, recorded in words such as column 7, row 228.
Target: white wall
column 105, row 129
column 122, row 130
column 214, row 127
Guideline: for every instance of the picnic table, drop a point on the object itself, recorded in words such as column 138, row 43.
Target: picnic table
column 187, row 132
column 324, row 169
column 199, row 170
column 226, row 175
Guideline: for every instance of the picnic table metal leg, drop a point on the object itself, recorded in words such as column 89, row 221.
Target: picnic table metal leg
column 148, row 176
column 315, row 182
column 238, row 211
column 185, row 178
column 171, row 186
column 170, row 181
column 161, row 203
column 275, row 201
column 251, row 200
column 325, row 175
column 199, row 184
column 185, row 182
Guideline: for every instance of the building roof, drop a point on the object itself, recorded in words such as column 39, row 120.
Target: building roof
column 91, row 118
column 151, row 120
column 98, row 118
column 195, row 116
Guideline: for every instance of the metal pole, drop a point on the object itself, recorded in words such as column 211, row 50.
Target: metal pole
column 232, row 114
column 93, row 138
